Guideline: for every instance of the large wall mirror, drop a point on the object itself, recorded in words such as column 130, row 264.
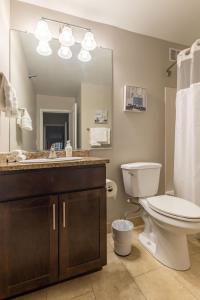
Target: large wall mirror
column 65, row 99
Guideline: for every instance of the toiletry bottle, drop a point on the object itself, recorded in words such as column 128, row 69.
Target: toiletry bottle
column 68, row 149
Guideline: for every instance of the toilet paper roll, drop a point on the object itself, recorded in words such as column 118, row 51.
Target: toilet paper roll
column 111, row 188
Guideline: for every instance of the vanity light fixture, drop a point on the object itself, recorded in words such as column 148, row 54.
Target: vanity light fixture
column 66, row 40
column 89, row 42
column 66, row 37
column 44, row 49
column 64, row 52
column 84, row 55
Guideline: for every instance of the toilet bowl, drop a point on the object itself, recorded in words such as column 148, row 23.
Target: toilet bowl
column 167, row 219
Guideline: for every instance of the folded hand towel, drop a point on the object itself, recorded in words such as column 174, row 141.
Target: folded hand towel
column 99, row 135
column 20, row 157
column 93, row 138
column 16, row 155
column 104, row 135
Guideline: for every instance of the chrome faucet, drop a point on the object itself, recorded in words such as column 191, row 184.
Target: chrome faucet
column 52, row 153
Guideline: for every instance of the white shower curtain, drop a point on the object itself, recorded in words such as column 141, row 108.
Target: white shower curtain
column 187, row 131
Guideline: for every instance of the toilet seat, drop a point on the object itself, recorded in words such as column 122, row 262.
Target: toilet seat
column 174, row 207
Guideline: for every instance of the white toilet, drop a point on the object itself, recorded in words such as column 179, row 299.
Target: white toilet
column 167, row 219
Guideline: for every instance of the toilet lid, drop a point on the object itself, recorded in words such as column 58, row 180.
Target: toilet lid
column 174, row 207
column 141, row 165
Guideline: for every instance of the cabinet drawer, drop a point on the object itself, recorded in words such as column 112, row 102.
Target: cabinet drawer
column 31, row 183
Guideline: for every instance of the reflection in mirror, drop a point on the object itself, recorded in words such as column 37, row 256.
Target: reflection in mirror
column 59, row 99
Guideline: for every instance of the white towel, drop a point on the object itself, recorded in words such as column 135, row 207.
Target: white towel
column 11, row 101
column 16, row 155
column 24, row 121
column 106, row 139
column 8, row 98
column 93, row 138
column 99, row 136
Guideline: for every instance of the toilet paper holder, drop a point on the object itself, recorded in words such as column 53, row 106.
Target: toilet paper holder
column 111, row 188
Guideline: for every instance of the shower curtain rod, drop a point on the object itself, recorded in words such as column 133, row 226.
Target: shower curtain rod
column 168, row 71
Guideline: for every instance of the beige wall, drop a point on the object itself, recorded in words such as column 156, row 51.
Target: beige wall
column 54, row 102
column 51, row 102
column 94, row 97
column 19, row 138
column 4, row 67
column 138, row 60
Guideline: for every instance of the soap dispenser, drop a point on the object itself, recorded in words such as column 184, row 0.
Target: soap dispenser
column 68, row 149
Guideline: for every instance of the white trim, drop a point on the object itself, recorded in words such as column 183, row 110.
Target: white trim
column 42, row 110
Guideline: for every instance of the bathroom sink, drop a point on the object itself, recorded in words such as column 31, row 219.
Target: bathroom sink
column 47, row 160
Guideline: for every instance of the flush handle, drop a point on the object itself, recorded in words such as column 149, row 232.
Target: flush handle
column 131, row 174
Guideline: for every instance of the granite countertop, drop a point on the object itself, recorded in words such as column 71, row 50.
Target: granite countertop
column 4, row 166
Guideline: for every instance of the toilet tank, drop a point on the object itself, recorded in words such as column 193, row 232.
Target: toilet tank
column 141, row 179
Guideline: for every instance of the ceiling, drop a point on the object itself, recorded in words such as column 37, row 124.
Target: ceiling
column 59, row 77
column 172, row 20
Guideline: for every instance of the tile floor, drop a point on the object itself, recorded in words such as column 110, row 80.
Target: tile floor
column 136, row 277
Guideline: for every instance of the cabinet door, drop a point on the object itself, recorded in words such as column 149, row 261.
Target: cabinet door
column 28, row 247
column 82, row 232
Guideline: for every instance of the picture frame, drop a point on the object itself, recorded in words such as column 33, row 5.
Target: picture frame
column 101, row 117
column 135, row 99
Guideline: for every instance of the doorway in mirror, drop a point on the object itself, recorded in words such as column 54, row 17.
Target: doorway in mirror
column 57, row 127
column 55, row 130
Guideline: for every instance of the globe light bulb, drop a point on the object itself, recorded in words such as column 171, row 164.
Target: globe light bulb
column 65, row 52
column 89, row 42
column 84, row 55
column 66, row 37
column 42, row 32
column 43, row 48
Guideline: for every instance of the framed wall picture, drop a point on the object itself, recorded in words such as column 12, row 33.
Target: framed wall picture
column 135, row 99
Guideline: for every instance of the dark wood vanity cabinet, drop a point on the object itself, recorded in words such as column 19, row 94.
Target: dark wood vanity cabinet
column 52, row 236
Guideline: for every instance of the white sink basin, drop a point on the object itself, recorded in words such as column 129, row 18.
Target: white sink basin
column 46, row 160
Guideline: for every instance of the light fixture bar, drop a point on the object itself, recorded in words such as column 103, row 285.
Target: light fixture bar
column 64, row 23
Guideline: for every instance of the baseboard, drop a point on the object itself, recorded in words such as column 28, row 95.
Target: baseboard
column 136, row 221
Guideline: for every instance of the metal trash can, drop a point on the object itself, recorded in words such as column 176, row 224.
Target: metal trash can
column 122, row 236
